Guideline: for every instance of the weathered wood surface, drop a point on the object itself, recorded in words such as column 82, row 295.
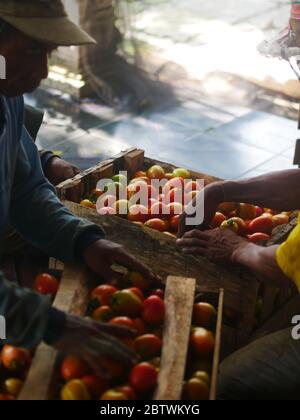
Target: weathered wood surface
column 160, row 252
column 71, row 298
column 281, row 233
column 179, row 300
column 217, row 352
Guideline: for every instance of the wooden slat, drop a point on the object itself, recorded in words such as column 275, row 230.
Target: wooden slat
column 179, row 298
column 217, row 352
column 71, row 298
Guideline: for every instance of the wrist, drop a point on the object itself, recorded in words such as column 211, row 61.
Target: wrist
column 244, row 252
column 216, row 190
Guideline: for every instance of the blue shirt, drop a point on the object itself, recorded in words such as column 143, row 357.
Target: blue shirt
column 29, row 203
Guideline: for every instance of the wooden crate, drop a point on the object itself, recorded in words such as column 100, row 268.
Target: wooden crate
column 243, row 285
column 42, row 381
column 156, row 249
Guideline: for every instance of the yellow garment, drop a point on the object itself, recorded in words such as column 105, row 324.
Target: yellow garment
column 288, row 256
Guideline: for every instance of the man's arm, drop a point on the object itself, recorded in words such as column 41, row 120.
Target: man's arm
column 37, row 213
column 278, row 190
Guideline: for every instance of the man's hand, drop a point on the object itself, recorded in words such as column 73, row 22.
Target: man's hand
column 93, row 340
column 58, row 170
column 101, row 255
column 218, row 245
column 211, row 197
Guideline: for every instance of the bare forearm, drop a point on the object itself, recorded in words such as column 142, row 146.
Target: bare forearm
column 263, row 262
column 278, row 190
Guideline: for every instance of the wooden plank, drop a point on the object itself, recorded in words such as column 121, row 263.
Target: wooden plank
column 179, row 298
column 159, row 251
column 71, row 298
column 281, row 233
column 217, row 352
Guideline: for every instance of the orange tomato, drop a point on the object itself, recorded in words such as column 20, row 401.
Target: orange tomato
column 174, row 183
column 192, row 186
column 176, row 195
column 148, row 346
column 107, row 200
column 280, row 219
column 12, row 386
column 204, row 315
column 103, row 293
column 138, row 213
column 140, row 174
column 196, row 390
column 258, row 237
column 15, row 358
column 46, row 284
column 218, row 219
column 174, row 223
column 158, row 210
column 202, row 342
column 227, row 207
column 124, row 321
column 74, row 368
column 246, row 211
column 261, row 225
column 156, row 224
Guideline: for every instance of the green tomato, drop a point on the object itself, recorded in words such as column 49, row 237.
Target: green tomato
column 126, row 303
column 122, row 179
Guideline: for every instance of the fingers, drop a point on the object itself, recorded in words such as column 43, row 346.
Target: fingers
column 106, row 345
column 192, row 243
column 198, row 234
column 133, row 264
column 195, row 251
column 116, row 330
column 109, row 275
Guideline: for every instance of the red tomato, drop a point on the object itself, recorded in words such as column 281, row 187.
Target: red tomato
column 189, row 197
column 159, row 210
column 138, row 292
column 261, row 225
column 218, row 219
column 258, row 237
column 143, row 378
column 204, row 315
column 138, row 213
column 15, row 358
column 202, row 342
column 174, row 183
column 95, row 385
column 46, row 284
column 153, row 311
column 174, row 223
column 139, row 326
column 7, row 397
column 114, row 368
column 259, row 211
column 142, row 188
column 128, row 391
column 148, row 346
column 192, row 186
column 74, row 368
column 106, row 200
column 124, row 321
column 140, row 174
column 158, row 292
column 174, row 209
column 104, row 294
column 156, row 224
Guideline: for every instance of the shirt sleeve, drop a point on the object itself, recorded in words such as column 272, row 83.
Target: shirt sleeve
column 288, row 256
column 37, row 213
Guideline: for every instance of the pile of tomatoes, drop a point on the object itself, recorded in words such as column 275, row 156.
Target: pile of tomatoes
column 134, row 305
column 249, row 221
column 15, row 361
column 165, row 205
column 201, row 351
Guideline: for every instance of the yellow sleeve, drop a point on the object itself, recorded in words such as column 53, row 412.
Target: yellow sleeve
column 288, row 256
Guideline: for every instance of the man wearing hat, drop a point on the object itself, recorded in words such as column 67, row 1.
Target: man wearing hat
column 29, row 31
column 268, row 368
